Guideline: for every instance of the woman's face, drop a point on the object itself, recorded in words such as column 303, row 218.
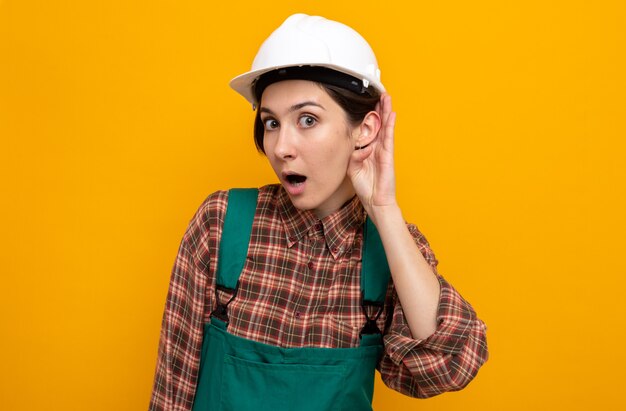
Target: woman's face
column 308, row 142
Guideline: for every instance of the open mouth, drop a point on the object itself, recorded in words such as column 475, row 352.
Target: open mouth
column 295, row 179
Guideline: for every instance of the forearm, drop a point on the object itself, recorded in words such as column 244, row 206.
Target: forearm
column 415, row 283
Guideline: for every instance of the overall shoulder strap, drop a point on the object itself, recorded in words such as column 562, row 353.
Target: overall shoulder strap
column 236, row 235
column 375, row 275
column 374, row 268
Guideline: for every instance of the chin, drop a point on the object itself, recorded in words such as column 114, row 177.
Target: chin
column 303, row 203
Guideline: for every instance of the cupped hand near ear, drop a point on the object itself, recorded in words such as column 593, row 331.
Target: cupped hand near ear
column 371, row 168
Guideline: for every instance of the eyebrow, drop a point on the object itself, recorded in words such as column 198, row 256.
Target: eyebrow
column 293, row 108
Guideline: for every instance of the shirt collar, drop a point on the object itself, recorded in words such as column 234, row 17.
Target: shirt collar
column 339, row 228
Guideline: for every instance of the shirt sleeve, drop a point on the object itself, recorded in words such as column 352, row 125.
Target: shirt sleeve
column 445, row 361
column 182, row 326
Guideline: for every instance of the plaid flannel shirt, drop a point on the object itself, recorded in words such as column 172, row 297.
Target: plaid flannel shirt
column 300, row 287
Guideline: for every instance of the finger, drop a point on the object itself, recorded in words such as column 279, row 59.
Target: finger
column 385, row 109
column 391, row 122
column 380, row 110
column 387, row 105
column 390, row 131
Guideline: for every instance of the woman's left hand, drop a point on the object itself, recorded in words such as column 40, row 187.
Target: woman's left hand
column 371, row 168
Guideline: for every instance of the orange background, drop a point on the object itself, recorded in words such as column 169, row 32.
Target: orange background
column 116, row 121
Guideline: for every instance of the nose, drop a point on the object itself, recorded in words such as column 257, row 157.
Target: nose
column 285, row 144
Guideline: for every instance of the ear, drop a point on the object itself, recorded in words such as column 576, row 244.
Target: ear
column 367, row 131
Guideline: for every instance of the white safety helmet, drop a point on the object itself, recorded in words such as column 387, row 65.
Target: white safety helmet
column 305, row 41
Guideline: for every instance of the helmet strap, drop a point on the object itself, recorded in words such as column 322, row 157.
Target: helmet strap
column 311, row 73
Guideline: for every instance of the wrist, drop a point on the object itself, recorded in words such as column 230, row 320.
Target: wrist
column 385, row 215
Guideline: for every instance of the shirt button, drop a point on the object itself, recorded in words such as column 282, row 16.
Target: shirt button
column 297, row 314
column 335, row 249
column 310, row 265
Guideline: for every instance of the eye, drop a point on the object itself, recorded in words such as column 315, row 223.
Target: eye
column 307, row 121
column 270, row 124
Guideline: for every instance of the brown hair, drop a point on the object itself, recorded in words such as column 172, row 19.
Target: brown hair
column 356, row 106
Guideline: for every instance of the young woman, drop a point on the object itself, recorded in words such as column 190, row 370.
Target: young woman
column 290, row 296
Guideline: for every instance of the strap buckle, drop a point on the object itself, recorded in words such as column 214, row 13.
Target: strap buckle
column 221, row 310
column 370, row 326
